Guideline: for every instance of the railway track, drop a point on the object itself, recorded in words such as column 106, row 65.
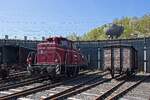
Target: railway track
column 107, row 88
column 120, row 88
column 23, row 83
column 67, row 88
column 27, row 81
column 140, row 92
column 43, row 87
column 15, row 76
column 111, row 89
column 115, row 85
column 118, row 94
column 19, row 73
column 78, row 89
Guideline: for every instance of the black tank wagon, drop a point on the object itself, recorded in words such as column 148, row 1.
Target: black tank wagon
column 13, row 59
column 120, row 59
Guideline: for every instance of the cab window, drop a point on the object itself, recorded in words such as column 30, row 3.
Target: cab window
column 64, row 43
column 74, row 46
column 40, row 51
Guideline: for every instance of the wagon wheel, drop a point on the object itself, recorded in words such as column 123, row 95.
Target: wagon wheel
column 120, row 71
column 112, row 73
column 128, row 72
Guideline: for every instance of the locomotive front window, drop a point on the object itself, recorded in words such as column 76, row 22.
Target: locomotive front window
column 74, row 46
column 64, row 44
column 40, row 51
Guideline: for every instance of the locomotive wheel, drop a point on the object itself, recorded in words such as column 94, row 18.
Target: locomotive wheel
column 30, row 71
column 53, row 75
column 4, row 73
column 77, row 71
column 74, row 71
column 33, row 72
column 70, row 71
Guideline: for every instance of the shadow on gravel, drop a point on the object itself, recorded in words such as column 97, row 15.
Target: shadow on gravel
column 76, row 82
column 133, row 78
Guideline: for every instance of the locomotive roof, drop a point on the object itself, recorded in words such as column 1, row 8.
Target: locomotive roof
column 58, row 38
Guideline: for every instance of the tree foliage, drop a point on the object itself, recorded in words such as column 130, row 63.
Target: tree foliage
column 134, row 27
column 74, row 37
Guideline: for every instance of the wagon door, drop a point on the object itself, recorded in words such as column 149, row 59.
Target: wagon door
column 116, row 58
column 126, row 58
column 107, row 59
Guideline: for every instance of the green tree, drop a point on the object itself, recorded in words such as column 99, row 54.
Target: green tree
column 74, row 37
column 134, row 27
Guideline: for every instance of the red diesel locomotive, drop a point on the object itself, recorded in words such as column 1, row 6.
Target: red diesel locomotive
column 56, row 56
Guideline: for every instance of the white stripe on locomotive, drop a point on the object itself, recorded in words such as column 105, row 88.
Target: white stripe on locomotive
column 57, row 69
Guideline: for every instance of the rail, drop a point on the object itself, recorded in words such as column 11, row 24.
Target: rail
column 111, row 90
column 70, row 92
column 75, row 87
column 22, row 83
column 123, row 92
column 40, row 88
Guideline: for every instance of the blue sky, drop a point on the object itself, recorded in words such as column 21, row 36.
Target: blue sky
column 37, row 18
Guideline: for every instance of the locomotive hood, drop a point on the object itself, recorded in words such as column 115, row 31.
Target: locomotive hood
column 47, row 54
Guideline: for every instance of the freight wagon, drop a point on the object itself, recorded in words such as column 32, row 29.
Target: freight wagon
column 120, row 59
column 13, row 58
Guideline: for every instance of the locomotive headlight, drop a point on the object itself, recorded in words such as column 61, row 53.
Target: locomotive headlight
column 56, row 60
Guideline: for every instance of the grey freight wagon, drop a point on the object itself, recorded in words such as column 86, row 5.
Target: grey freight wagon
column 120, row 59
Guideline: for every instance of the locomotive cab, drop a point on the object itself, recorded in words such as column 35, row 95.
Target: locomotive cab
column 57, row 56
